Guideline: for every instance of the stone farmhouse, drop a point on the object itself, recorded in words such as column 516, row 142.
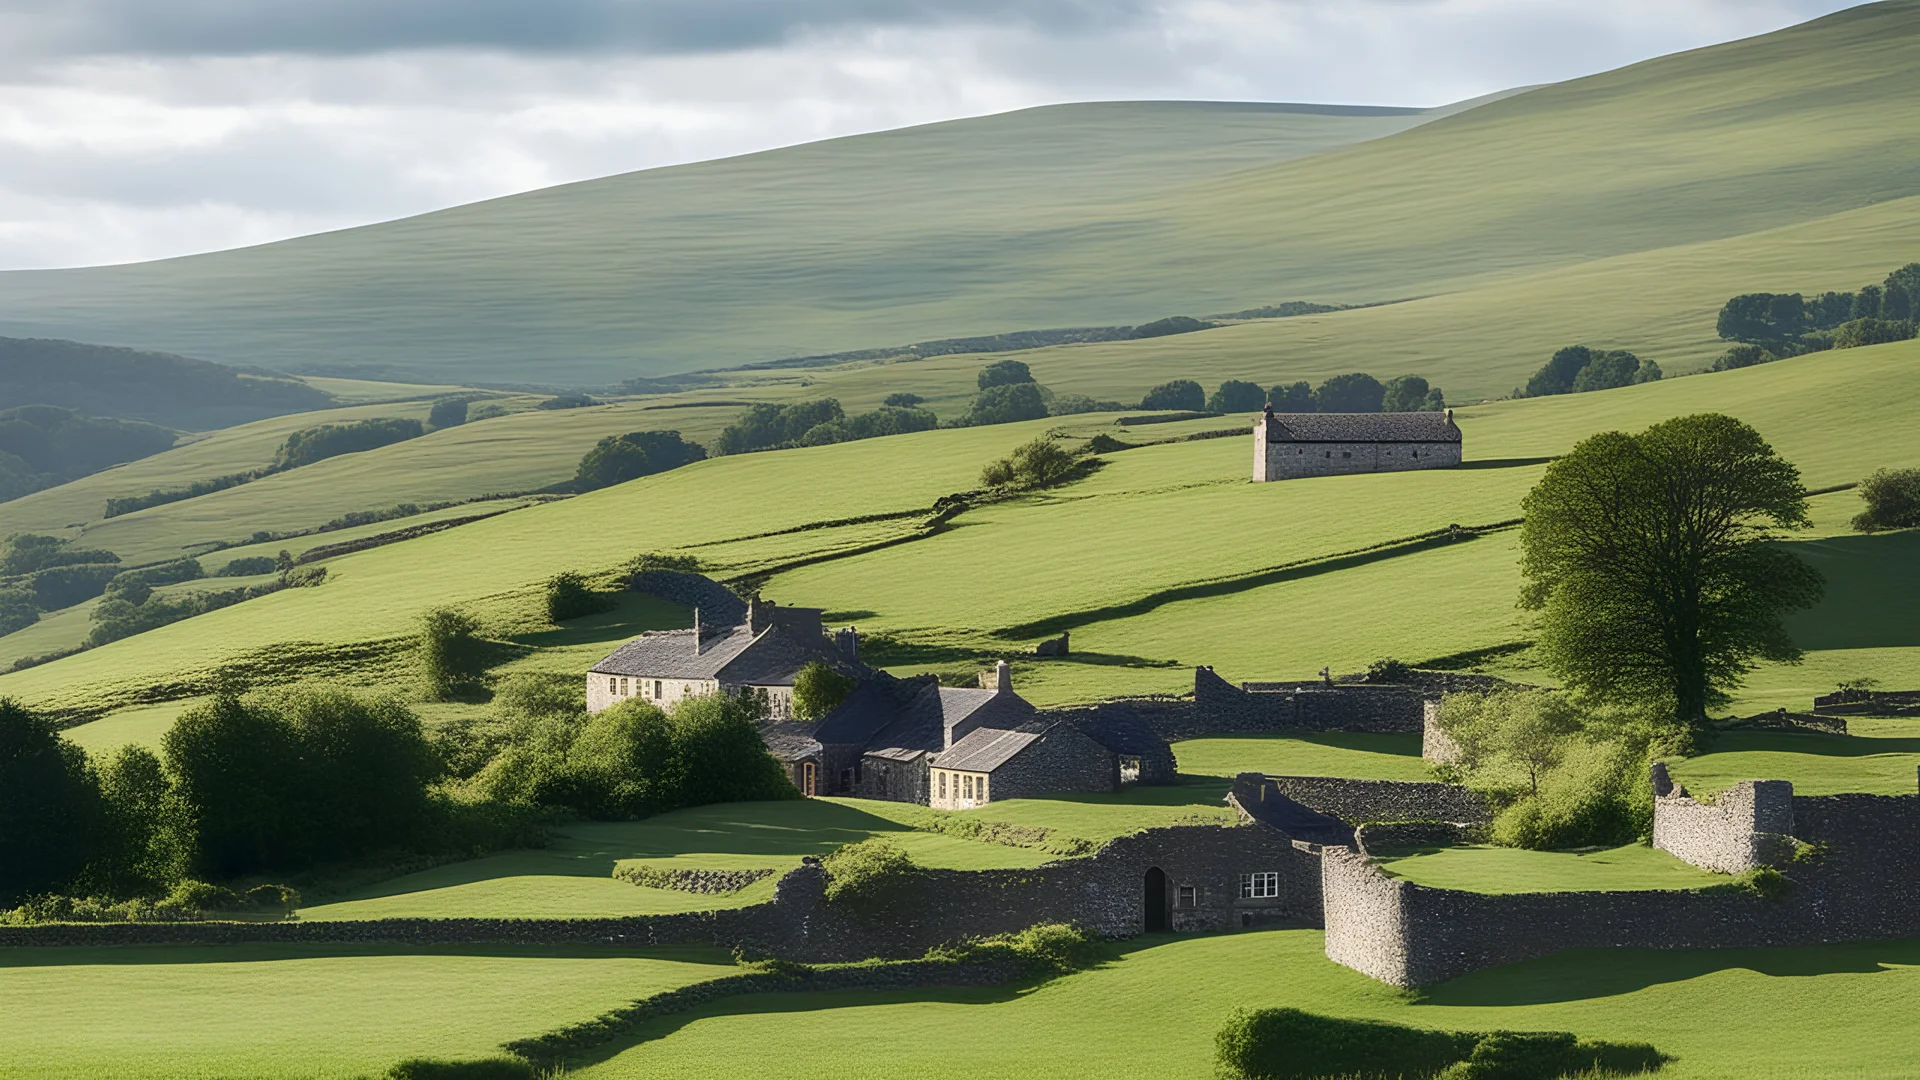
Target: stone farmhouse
column 956, row 748
column 1287, row 446
column 763, row 652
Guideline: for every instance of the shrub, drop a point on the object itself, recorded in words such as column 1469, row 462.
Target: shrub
column 1764, row 882
column 1172, row 324
column 569, row 597
column 486, row 411
column 763, row 427
column 1003, row 373
column 1411, row 393
column 1182, row 394
column 1741, row 356
column 567, row 401
column 313, row 444
column 1072, row 404
column 718, row 755
column 162, row 496
column 866, row 874
column 903, row 400
column 1862, row 332
column 1290, row 1044
column 1387, row 671
column 17, row 610
column 493, row 1068
column 1237, row 396
column 249, row 566
column 1353, row 393
column 64, row 586
column 451, row 654
column 1291, row 398
column 447, row 412
column 1041, row 950
column 1007, row 404
column 886, row 420
column 1893, row 500
column 303, row 577
column 1612, row 370
column 818, row 689
column 1031, row 465
column 25, row 553
column 617, row 459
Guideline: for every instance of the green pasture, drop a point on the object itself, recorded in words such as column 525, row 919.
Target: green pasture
column 1878, row 757
column 1330, row 753
column 1484, row 869
column 268, row 1012
column 1152, row 1009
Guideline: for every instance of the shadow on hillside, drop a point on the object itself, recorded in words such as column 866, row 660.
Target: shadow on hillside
column 633, row 614
column 1871, row 580
column 1806, row 742
column 1582, row 974
column 1191, row 790
column 1504, row 463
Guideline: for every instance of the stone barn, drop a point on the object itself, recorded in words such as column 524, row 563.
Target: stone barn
column 1287, row 446
column 761, row 653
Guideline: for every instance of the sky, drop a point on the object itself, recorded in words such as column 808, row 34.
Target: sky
column 136, row 129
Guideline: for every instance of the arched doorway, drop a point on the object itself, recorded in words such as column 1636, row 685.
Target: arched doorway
column 1156, row 900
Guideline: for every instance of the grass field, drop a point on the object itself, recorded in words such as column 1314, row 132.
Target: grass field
column 1483, row 869
column 1331, row 753
column 1151, row 1012
column 1879, row 757
column 313, row 1012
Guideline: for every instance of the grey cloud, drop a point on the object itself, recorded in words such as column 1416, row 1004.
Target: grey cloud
column 59, row 29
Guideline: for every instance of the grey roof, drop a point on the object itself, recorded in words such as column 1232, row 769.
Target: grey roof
column 1120, row 729
column 985, row 749
column 733, row 654
column 1363, row 427
column 789, row 742
column 897, row 753
column 898, row 718
column 871, row 707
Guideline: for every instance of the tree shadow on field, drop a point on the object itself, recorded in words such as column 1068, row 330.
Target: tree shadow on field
column 1191, row 790
column 256, row 952
column 1505, row 463
column 1805, row 742
column 1871, row 580
column 632, row 614
column 1582, row 974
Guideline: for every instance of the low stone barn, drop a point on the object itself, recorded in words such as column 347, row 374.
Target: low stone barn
column 763, row 653
column 955, row 748
column 1287, row 446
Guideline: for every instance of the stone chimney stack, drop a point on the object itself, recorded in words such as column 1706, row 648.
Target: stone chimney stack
column 698, row 641
column 1449, row 416
column 1002, row 678
column 848, row 639
column 759, row 615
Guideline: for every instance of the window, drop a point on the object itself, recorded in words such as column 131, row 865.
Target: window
column 980, row 790
column 1260, row 886
column 943, row 785
column 1329, row 453
column 1188, row 897
column 622, row 689
column 1346, row 453
column 967, row 782
column 656, row 688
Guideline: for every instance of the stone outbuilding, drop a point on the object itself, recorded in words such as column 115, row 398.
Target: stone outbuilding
column 1287, row 446
column 761, row 653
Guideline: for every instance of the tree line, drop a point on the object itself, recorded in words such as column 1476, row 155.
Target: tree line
column 1772, row 326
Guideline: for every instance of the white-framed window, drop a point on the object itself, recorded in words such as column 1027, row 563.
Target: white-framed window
column 980, row 790
column 1188, row 897
column 943, row 785
column 1260, row 886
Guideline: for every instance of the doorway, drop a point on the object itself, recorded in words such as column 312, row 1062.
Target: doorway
column 1156, row 901
column 807, row 779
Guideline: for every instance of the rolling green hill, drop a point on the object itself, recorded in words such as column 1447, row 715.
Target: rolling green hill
column 1098, row 214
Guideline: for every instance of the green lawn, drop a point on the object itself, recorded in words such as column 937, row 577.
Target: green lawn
column 1332, row 753
column 309, row 1012
column 1878, row 757
column 1485, row 869
column 1151, row 1012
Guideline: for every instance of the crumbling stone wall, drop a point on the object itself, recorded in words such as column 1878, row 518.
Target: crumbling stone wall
column 716, row 604
column 1060, row 760
column 1219, row 706
column 1750, row 825
column 1436, row 746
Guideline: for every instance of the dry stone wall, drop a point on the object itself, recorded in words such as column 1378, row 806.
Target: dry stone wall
column 1750, row 825
column 1219, row 706
column 1358, row 801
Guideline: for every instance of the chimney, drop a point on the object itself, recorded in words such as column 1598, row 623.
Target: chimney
column 759, row 617
column 1449, row 416
column 849, row 641
column 1002, row 678
column 696, row 632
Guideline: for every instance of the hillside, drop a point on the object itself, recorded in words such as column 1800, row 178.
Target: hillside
column 1058, row 217
column 131, row 384
column 1118, row 559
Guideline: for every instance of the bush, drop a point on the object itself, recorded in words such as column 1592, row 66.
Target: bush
column 1291, row 398
column 447, row 412
column 1862, row 332
column 249, row 566
column 1764, row 882
column 1290, row 1044
column 1007, row 404
column 1172, row 324
column 903, row 400
column 818, row 689
column 493, row 1068
column 1612, row 370
column 331, row 440
column 17, row 610
column 764, row 427
column 1031, row 465
column 866, row 874
column 1041, row 950
column 1236, row 396
column 49, row 806
column 1072, row 404
column 162, row 496
column 567, row 401
column 451, row 654
column 1741, row 356
column 1388, row 671
column 1411, row 393
column 1003, row 373
column 1353, row 393
column 64, row 586
column 569, row 597
column 886, row 420
column 617, row 459
column 1184, row 394
column 1893, row 500
column 25, row 553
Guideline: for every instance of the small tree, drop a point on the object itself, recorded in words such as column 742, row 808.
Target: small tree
column 1893, row 500
column 617, row 459
column 1354, row 393
column 1557, row 374
column 49, row 805
column 1000, row 373
column 1032, row 464
column 818, row 690
column 866, row 873
column 450, row 653
column 903, row 400
column 570, row 597
column 1007, row 403
column 1650, row 560
column 1237, row 396
column 1408, row 393
column 1291, row 398
column 1182, row 394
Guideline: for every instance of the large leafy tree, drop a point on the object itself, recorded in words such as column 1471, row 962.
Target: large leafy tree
column 617, row 459
column 49, row 805
column 1354, row 393
column 1651, row 560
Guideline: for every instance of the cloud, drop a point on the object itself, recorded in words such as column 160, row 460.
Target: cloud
column 132, row 130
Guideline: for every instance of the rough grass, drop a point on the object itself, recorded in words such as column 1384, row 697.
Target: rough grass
column 1485, row 869
column 1151, row 1012
column 311, row 1012
column 1878, row 757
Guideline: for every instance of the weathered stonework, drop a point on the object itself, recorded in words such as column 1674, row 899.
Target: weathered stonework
column 1436, row 746
column 1287, row 446
column 1219, row 706
column 1750, row 825
column 1359, row 801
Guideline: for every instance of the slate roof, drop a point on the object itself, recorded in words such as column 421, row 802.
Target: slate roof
column 1362, row 427
column 985, row 749
column 789, row 742
column 1121, row 730
column 732, row 655
column 900, row 718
